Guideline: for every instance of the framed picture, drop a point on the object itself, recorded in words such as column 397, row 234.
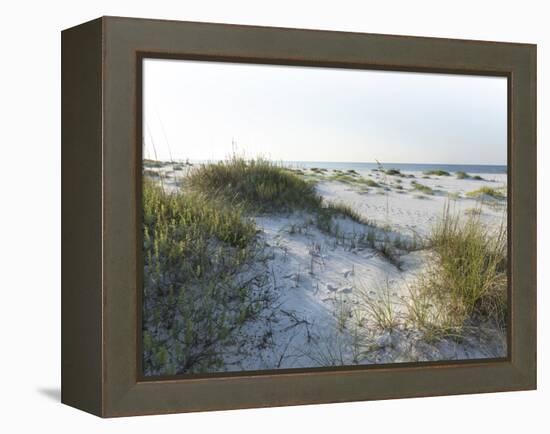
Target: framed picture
column 259, row 216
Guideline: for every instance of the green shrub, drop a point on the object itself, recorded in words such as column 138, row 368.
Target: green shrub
column 461, row 175
column 152, row 163
column 487, row 191
column 261, row 185
column 194, row 250
column 422, row 188
column 437, row 172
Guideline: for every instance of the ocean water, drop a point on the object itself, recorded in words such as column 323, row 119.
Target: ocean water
column 468, row 168
column 405, row 167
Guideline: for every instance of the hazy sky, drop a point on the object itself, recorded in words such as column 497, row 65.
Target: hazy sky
column 196, row 109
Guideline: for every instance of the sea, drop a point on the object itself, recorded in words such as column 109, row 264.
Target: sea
column 405, row 167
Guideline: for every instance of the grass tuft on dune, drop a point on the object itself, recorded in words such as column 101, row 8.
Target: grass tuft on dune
column 422, row 188
column 467, row 279
column 260, row 185
column 487, row 191
column 438, row 172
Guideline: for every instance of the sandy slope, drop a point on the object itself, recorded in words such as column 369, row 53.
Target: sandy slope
column 322, row 283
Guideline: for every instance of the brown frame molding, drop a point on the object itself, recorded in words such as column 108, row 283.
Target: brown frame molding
column 101, row 179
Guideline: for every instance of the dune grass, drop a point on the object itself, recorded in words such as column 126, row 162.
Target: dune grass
column 437, row 172
column 152, row 163
column 487, row 191
column 194, row 251
column 467, row 279
column 462, row 175
column 380, row 308
column 422, row 188
column 259, row 185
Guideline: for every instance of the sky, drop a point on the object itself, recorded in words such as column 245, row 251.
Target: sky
column 200, row 110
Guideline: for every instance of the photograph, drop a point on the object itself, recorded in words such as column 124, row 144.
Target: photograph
column 298, row 217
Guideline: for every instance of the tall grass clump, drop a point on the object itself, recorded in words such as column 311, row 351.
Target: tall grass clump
column 422, row 188
column 468, row 279
column 258, row 184
column 487, row 191
column 199, row 283
column 437, row 172
column 380, row 308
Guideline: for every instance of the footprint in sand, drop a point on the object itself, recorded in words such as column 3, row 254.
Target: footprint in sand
column 346, row 290
column 331, row 288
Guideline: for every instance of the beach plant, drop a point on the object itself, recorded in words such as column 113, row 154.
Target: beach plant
column 473, row 211
column 422, row 188
column 467, row 277
column 200, row 286
column 487, row 192
column 461, row 175
column 258, row 184
column 151, row 173
column 371, row 183
column 379, row 307
column 436, row 172
column 152, row 163
column 344, row 210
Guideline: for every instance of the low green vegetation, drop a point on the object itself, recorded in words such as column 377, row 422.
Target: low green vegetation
column 422, row 188
column 151, row 173
column 194, row 249
column 462, row 175
column 477, row 178
column 318, row 171
column 473, row 211
column 487, row 192
column 353, row 179
column 453, row 195
column 259, row 185
column 152, row 163
column 393, row 172
column 437, row 172
column 348, row 179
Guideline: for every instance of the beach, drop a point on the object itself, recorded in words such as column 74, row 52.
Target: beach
column 342, row 293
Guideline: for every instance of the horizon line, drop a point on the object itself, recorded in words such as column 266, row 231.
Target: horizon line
column 337, row 162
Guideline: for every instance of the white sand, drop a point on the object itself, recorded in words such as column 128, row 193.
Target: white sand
column 413, row 211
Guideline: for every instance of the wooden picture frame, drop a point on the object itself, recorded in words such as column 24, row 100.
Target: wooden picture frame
column 101, row 178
